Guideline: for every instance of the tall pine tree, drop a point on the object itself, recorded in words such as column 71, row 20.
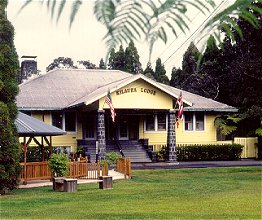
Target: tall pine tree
column 160, row 72
column 9, row 67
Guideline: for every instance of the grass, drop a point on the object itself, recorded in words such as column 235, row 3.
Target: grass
column 210, row 193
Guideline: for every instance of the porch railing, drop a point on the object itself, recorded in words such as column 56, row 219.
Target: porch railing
column 123, row 165
column 76, row 169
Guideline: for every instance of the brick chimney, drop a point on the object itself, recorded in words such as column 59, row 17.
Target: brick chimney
column 28, row 67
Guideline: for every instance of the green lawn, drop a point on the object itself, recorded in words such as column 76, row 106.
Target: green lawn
column 210, row 193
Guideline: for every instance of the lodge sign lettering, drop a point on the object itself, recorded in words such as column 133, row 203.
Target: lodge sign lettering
column 134, row 89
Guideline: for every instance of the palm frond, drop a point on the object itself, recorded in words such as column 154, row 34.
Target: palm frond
column 24, row 6
column 223, row 21
column 60, row 10
column 75, row 7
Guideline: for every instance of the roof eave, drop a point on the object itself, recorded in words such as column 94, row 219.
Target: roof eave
column 231, row 110
column 38, row 109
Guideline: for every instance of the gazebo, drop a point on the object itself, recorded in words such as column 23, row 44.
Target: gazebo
column 32, row 129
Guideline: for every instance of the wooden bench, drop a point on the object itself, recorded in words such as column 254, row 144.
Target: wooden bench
column 105, row 182
column 62, row 184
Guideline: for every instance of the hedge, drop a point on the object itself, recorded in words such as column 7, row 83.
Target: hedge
column 205, row 152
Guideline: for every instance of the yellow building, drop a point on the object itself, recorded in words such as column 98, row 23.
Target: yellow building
column 74, row 100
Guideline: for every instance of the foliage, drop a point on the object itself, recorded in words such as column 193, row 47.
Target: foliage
column 126, row 60
column 151, row 21
column 102, row 64
column 9, row 145
column 259, row 130
column 231, row 74
column 68, row 63
column 216, row 193
column 111, row 157
column 204, row 152
column 61, row 62
column 209, row 152
column 87, row 64
column 160, row 72
column 149, row 72
column 80, row 151
column 226, row 123
column 162, row 154
column 58, row 164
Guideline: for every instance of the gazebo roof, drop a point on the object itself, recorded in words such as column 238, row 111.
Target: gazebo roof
column 28, row 126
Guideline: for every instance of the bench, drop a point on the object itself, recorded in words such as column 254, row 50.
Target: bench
column 105, row 182
column 62, row 184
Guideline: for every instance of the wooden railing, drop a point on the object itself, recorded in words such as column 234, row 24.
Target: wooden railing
column 123, row 165
column 76, row 169
column 35, row 171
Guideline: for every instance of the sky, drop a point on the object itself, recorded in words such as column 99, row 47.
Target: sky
column 36, row 34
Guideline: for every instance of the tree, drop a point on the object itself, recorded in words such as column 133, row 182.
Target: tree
column 61, row 62
column 87, row 64
column 102, row 64
column 9, row 67
column 160, row 72
column 132, row 64
column 237, row 70
column 149, row 72
column 190, row 59
column 117, row 61
column 125, row 60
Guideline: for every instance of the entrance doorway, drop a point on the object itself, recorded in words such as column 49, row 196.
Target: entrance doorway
column 125, row 128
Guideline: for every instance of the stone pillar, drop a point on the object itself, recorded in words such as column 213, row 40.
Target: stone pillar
column 171, row 137
column 101, row 138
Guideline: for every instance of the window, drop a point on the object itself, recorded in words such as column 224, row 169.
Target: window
column 155, row 122
column 194, row 121
column 188, row 122
column 65, row 121
column 150, row 123
column 70, row 121
column 57, row 119
column 161, row 122
column 199, row 122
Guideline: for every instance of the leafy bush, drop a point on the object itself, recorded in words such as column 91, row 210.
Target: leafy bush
column 205, row 152
column 111, row 157
column 162, row 154
column 58, row 164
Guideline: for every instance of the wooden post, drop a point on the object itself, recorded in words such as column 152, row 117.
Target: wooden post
column 98, row 169
column 43, row 149
column 86, row 166
column 25, row 149
column 125, row 167
column 50, row 144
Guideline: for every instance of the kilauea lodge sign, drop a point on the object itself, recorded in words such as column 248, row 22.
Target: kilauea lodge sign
column 134, row 89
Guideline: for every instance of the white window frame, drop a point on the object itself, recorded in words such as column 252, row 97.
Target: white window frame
column 155, row 125
column 194, row 122
column 63, row 122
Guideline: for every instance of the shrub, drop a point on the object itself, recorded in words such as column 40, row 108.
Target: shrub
column 58, row 164
column 204, row 152
column 209, row 152
column 111, row 157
